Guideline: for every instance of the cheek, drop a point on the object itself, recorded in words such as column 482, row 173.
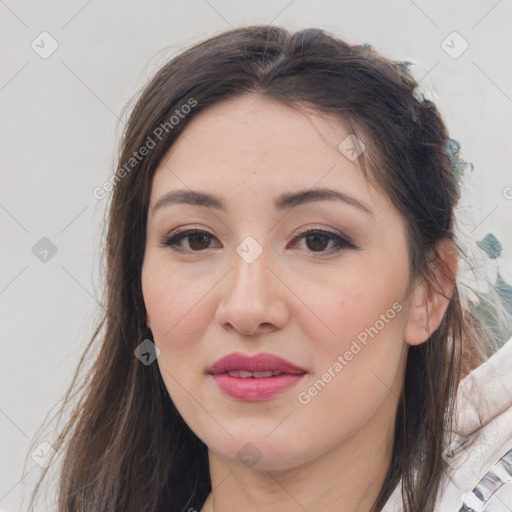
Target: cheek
column 177, row 306
column 358, row 362
column 359, row 367
column 178, row 314
column 354, row 306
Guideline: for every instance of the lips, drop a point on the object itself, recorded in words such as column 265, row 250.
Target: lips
column 259, row 366
column 256, row 378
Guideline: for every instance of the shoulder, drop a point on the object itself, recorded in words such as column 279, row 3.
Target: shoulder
column 480, row 456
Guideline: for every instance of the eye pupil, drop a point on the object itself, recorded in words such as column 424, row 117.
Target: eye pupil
column 315, row 236
column 201, row 237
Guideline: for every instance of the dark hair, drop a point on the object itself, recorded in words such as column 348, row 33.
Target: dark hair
column 125, row 446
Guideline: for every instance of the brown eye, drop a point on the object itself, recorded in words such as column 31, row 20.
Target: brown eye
column 318, row 240
column 197, row 240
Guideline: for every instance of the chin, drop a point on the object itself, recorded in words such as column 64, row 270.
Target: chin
column 262, row 454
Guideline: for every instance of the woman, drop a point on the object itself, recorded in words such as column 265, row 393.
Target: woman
column 283, row 328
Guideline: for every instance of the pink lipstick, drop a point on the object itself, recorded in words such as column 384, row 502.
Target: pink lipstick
column 255, row 378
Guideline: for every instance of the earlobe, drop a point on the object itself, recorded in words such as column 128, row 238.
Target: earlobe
column 430, row 301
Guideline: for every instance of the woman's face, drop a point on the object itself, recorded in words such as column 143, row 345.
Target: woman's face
column 333, row 303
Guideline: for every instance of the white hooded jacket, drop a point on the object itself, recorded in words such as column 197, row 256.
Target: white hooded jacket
column 480, row 455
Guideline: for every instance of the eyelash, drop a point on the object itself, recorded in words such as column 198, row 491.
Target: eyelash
column 340, row 243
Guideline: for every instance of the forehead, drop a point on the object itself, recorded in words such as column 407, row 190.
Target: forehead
column 260, row 145
column 253, row 125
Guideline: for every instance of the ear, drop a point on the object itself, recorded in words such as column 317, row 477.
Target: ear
column 430, row 300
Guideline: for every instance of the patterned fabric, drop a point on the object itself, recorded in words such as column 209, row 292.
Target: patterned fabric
column 479, row 500
column 479, row 473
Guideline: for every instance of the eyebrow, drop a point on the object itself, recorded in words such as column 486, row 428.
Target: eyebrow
column 285, row 201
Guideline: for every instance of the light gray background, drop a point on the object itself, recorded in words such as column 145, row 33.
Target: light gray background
column 59, row 130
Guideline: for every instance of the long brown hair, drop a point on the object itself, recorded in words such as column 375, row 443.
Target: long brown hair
column 125, row 447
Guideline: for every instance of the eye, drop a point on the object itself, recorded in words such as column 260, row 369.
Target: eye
column 318, row 239
column 198, row 240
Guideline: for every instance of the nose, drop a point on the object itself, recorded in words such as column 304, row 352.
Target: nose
column 254, row 298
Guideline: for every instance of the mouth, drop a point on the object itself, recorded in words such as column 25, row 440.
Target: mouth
column 245, row 374
column 255, row 378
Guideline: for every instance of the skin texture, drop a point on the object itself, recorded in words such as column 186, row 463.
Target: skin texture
column 299, row 300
